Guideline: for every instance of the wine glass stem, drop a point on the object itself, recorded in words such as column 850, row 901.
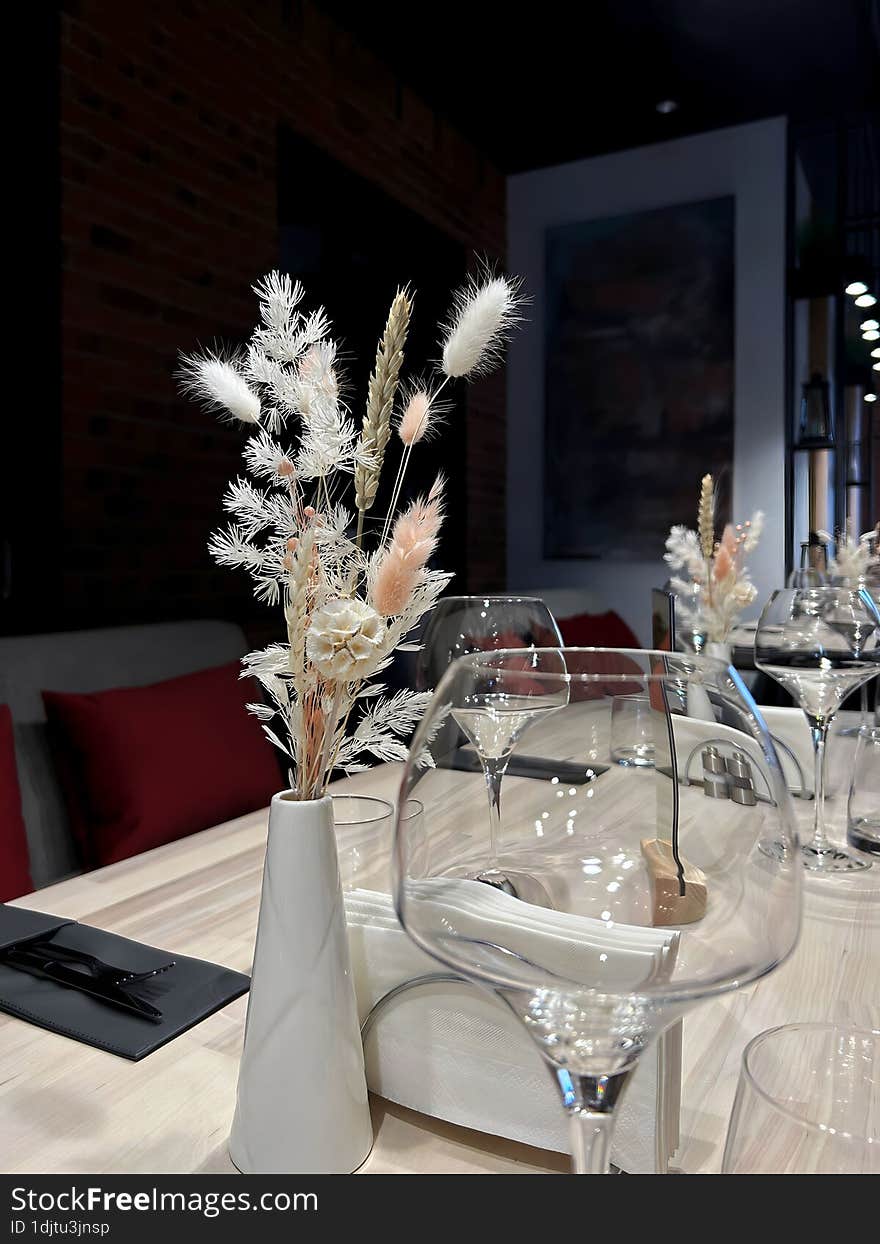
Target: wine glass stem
column 495, row 768
column 591, row 1134
column 819, row 735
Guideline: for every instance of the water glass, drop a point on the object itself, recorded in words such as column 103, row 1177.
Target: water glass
column 863, row 811
column 632, row 737
column 364, row 835
column 808, row 1103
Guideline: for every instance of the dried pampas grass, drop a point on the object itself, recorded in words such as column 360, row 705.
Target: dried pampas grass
column 414, row 420
column 218, row 383
column 483, row 313
column 400, row 565
column 421, row 416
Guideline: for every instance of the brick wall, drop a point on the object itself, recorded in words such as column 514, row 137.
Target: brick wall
column 169, row 113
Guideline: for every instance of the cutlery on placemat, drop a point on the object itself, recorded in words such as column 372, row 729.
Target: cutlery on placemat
column 76, row 969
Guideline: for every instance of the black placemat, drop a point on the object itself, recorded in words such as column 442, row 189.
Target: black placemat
column 186, row 994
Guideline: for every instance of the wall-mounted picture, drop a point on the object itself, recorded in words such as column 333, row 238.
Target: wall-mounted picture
column 639, row 375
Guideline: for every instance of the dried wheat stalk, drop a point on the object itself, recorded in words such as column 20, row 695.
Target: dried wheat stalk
column 706, row 516
column 376, row 429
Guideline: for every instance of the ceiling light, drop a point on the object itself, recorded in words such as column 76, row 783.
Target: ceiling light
column 865, row 300
column 875, row 353
column 665, row 106
column 877, row 367
column 868, row 324
column 856, row 287
column 871, row 334
column 870, row 397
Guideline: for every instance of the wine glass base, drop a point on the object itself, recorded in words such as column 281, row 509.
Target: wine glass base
column 517, row 885
column 827, row 860
column 498, row 881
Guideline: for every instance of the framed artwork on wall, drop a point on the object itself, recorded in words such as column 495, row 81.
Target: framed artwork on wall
column 639, row 375
column 652, row 352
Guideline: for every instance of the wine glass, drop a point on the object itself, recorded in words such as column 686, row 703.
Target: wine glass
column 820, row 644
column 463, row 624
column 459, row 625
column 658, row 897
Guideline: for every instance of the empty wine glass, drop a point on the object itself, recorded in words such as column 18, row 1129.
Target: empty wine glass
column 459, row 625
column 463, row 624
column 820, row 644
column 657, row 897
column 495, row 711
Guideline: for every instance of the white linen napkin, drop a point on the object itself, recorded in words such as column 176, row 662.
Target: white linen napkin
column 454, row 1051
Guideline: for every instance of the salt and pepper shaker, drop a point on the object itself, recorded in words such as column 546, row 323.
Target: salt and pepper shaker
column 715, row 784
column 742, row 787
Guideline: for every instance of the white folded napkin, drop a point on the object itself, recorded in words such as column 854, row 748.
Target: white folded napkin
column 454, row 1051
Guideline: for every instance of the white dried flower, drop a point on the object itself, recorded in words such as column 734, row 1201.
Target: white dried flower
column 482, row 316
column 218, row 383
column 753, row 530
column 266, row 459
column 854, row 556
column 683, row 551
column 316, row 374
column 344, row 638
column 279, row 297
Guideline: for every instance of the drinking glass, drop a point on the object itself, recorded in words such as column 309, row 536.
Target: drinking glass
column 653, row 898
column 364, row 827
column 632, row 740
column 863, row 809
column 463, row 624
column 807, row 1103
column 820, row 644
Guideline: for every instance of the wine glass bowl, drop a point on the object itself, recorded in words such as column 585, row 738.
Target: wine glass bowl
column 820, row 644
column 460, row 625
column 625, row 856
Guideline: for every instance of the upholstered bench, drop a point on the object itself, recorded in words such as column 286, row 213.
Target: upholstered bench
column 88, row 661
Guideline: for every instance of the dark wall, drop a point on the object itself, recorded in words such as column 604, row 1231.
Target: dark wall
column 169, row 116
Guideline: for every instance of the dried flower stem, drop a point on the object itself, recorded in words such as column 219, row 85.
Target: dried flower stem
column 706, row 525
column 330, row 724
column 404, row 463
column 402, row 560
column 706, row 516
column 376, row 429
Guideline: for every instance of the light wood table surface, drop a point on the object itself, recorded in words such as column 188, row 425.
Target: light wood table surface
column 65, row 1107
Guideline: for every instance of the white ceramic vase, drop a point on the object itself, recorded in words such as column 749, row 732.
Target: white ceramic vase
column 698, row 702
column 302, row 1103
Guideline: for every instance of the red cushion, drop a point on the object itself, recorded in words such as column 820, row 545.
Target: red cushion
column 597, row 630
column 15, row 877
column 141, row 766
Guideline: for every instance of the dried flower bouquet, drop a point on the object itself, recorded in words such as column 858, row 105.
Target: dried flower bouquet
column 855, row 556
column 717, row 588
column 352, row 591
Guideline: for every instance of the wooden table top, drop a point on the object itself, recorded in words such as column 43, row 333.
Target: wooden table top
column 66, row 1107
